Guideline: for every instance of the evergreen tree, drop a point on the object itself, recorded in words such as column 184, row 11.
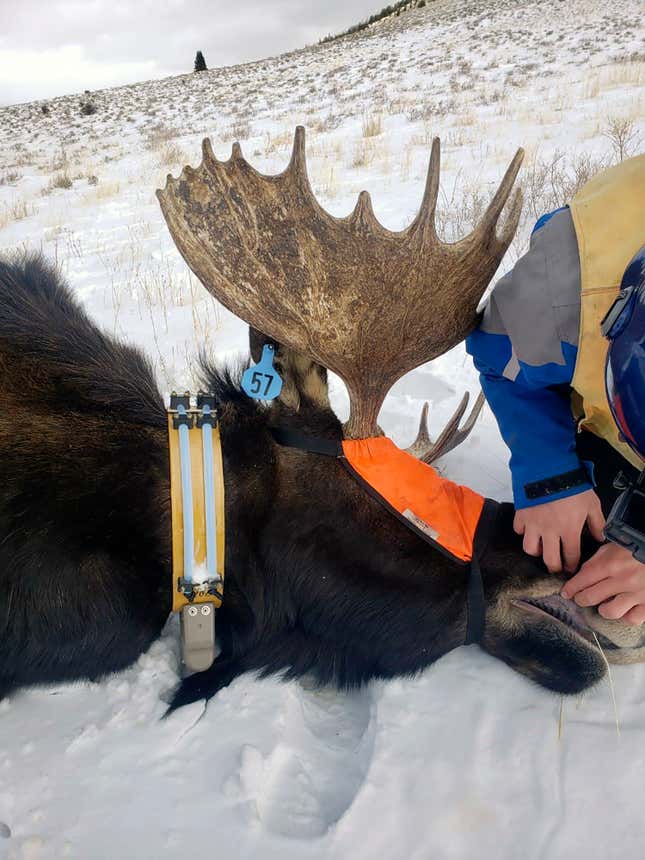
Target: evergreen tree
column 200, row 62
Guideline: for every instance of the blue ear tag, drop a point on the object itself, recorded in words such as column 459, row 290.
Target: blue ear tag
column 262, row 381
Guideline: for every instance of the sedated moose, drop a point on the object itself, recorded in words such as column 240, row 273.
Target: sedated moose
column 321, row 578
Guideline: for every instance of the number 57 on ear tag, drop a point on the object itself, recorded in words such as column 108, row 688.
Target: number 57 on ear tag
column 262, row 381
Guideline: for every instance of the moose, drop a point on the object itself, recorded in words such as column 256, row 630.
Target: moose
column 321, row 579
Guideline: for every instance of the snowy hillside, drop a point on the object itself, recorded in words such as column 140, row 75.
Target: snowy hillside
column 468, row 759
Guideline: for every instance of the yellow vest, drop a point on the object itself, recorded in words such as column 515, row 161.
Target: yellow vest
column 609, row 218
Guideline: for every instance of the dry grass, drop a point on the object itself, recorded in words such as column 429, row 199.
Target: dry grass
column 10, row 177
column 372, row 125
column 278, row 142
column 58, row 180
column 423, row 137
column 157, row 136
column 102, row 191
column 171, row 155
column 15, row 211
column 406, row 163
column 465, row 118
column 241, row 130
column 611, row 683
column 362, row 155
column 629, row 74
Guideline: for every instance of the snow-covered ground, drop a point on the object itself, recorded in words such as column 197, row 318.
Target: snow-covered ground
column 468, row 759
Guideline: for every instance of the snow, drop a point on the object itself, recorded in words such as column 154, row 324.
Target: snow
column 468, row 759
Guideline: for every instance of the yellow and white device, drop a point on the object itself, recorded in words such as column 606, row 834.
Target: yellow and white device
column 197, row 508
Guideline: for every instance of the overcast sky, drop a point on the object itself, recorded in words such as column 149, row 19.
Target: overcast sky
column 54, row 47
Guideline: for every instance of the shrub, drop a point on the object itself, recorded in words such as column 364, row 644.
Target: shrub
column 156, row 136
column 623, row 136
column 60, row 180
column 171, row 154
column 200, row 62
column 88, row 108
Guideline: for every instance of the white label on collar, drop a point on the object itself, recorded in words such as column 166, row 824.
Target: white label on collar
column 422, row 525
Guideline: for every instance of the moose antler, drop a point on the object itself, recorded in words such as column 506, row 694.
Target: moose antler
column 423, row 448
column 365, row 302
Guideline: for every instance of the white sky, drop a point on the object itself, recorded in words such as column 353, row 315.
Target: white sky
column 54, row 47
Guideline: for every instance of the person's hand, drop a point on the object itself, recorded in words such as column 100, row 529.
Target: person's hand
column 554, row 525
column 613, row 578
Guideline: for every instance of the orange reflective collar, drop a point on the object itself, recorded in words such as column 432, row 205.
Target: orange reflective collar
column 441, row 511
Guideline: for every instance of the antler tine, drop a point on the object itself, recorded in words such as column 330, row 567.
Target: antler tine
column 447, row 441
column 423, row 441
column 426, row 217
column 363, row 218
column 423, row 446
column 495, row 207
column 207, row 151
column 513, row 219
column 298, row 163
column 451, row 435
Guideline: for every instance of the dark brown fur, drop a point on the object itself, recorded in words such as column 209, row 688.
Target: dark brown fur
column 320, row 579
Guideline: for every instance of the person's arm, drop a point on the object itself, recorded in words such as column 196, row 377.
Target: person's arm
column 525, row 350
column 535, row 420
column 551, row 487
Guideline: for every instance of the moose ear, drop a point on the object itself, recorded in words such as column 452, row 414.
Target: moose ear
column 257, row 341
column 303, row 381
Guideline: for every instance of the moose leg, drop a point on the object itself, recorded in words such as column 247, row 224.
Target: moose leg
column 204, row 685
column 292, row 654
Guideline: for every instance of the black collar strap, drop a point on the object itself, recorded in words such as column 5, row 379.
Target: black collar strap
column 312, row 444
column 476, row 605
column 476, row 602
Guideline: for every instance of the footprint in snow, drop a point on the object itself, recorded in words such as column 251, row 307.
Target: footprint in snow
column 312, row 776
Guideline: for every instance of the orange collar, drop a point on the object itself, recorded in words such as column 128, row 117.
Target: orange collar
column 443, row 512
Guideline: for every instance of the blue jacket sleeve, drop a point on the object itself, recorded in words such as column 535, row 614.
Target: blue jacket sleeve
column 525, row 350
column 534, row 415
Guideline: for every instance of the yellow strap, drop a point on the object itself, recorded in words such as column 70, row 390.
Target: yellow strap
column 199, row 519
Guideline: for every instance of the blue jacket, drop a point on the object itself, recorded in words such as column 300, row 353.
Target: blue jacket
column 525, row 350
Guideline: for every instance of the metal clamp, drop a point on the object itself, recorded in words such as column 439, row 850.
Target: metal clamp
column 191, row 590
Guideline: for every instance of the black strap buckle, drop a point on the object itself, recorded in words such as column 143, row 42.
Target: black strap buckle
column 626, row 521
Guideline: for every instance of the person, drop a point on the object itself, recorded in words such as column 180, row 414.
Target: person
column 542, row 359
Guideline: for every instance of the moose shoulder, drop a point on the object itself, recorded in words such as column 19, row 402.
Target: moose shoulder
column 320, row 579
